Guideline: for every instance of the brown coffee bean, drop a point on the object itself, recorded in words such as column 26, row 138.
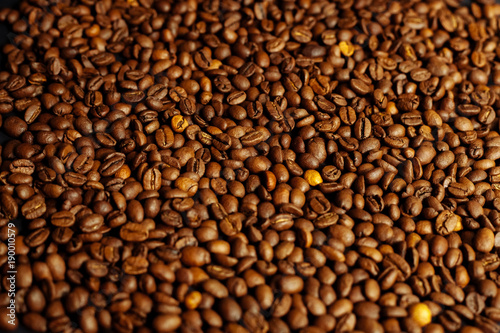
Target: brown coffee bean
column 195, row 256
column 112, row 164
column 273, row 169
column 152, row 180
column 167, row 322
column 35, row 322
column 132, row 266
column 291, row 284
column 484, row 240
column 63, row 219
column 34, row 208
column 91, row 223
column 236, row 97
column 446, row 222
column 134, row 232
column 8, row 207
column 301, row 34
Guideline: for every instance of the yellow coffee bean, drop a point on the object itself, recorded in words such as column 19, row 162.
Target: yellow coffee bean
column 391, row 108
column 421, row 314
column 179, row 123
column 313, row 177
column 193, row 300
column 346, row 48
column 459, row 225
column 124, row 172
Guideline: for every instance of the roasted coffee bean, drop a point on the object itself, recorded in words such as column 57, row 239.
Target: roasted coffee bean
column 62, row 219
column 446, row 222
column 362, row 128
column 91, row 223
column 301, row 34
column 133, row 232
column 37, row 237
column 112, row 164
column 152, row 179
column 22, row 166
column 8, row 207
column 164, row 137
column 34, row 208
column 75, row 179
column 285, row 166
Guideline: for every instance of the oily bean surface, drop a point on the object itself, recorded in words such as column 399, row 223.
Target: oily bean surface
column 251, row 166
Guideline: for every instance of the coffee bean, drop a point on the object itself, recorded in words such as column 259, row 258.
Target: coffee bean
column 264, row 171
column 8, row 207
column 484, row 240
column 236, row 97
column 359, row 86
column 164, row 137
column 34, row 208
column 37, row 237
column 63, row 219
column 187, row 106
column 112, row 164
column 91, row 223
column 152, row 179
column 22, row 166
column 167, row 322
column 14, row 126
column 362, row 128
column 75, row 179
column 133, row 232
column 291, row 284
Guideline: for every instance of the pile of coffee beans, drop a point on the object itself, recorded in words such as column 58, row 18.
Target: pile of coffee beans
column 252, row 166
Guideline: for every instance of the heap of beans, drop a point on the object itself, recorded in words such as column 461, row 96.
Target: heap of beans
column 252, row 166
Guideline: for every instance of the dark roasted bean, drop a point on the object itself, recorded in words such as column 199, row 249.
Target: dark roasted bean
column 249, row 166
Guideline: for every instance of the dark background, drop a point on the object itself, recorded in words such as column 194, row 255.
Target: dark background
column 3, row 28
column 3, row 40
